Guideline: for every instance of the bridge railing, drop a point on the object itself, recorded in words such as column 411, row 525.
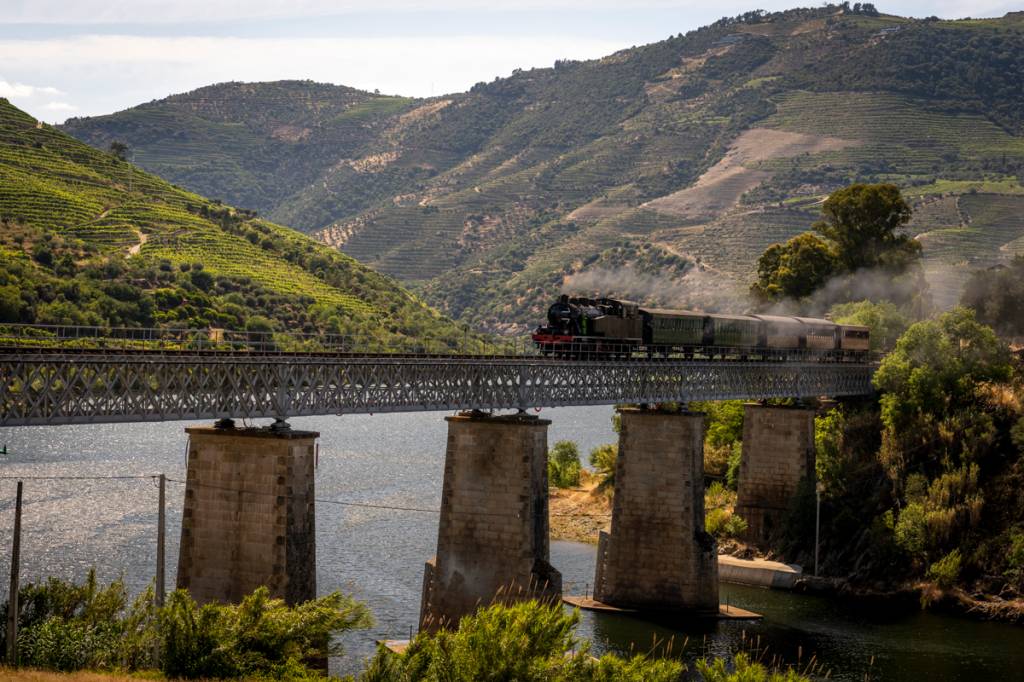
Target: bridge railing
column 216, row 341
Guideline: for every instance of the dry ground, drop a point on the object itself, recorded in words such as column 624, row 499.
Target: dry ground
column 579, row 514
column 720, row 188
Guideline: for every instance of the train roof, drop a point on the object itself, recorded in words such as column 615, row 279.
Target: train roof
column 777, row 319
column 816, row 321
column 676, row 313
column 744, row 318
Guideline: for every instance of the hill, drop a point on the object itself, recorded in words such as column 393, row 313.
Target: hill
column 660, row 171
column 89, row 239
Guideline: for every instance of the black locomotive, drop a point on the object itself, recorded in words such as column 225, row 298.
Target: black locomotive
column 606, row 327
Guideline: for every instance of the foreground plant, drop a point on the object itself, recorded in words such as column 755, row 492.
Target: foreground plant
column 67, row 627
column 531, row 641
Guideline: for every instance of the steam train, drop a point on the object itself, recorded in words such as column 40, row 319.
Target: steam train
column 606, row 327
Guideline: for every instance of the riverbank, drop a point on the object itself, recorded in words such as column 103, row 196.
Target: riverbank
column 579, row 514
column 921, row 596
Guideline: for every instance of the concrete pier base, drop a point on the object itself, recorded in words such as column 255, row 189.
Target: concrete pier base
column 657, row 556
column 778, row 453
column 249, row 515
column 492, row 540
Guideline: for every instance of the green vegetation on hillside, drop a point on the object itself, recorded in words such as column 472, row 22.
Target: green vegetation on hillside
column 710, row 146
column 859, row 225
column 89, row 239
column 923, row 483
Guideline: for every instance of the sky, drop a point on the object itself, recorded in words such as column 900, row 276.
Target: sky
column 64, row 58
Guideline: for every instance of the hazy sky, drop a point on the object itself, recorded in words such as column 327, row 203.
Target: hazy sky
column 62, row 58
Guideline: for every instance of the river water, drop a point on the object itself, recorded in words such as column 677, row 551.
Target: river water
column 378, row 555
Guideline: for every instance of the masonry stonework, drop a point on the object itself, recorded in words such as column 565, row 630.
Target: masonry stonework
column 778, row 453
column 492, row 540
column 658, row 556
column 249, row 515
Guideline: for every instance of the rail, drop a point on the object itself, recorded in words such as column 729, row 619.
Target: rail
column 215, row 341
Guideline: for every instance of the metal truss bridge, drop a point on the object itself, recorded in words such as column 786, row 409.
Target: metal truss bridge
column 88, row 385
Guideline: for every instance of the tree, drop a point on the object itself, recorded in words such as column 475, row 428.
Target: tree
column 119, row 150
column 603, row 459
column 11, row 304
column 861, row 221
column 997, row 296
column 564, row 464
column 884, row 319
column 932, row 411
column 795, row 269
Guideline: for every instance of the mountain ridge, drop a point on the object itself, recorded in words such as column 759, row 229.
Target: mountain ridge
column 89, row 239
column 680, row 159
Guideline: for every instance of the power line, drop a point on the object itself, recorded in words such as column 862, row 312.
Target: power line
column 340, row 503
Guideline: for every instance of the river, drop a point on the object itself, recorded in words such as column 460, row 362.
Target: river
column 378, row 555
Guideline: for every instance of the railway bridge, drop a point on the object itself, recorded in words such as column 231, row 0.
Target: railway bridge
column 249, row 518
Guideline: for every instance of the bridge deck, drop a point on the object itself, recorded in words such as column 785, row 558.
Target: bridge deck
column 69, row 386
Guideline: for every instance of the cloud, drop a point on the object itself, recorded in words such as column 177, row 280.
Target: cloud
column 60, row 106
column 161, row 11
column 22, row 91
column 104, row 73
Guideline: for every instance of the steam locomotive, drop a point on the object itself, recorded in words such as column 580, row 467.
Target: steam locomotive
column 607, row 327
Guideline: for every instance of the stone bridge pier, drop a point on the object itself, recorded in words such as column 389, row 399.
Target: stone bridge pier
column 658, row 556
column 248, row 518
column 778, row 453
column 492, row 540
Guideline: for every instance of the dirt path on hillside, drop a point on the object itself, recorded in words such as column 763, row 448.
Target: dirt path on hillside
column 720, row 188
column 143, row 238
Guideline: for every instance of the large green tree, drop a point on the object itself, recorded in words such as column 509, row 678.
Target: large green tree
column 857, row 232
column 795, row 269
column 861, row 220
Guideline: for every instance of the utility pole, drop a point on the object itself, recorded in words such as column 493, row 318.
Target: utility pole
column 818, row 488
column 161, row 531
column 12, row 602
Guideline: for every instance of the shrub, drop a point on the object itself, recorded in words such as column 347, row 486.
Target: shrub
column 527, row 642
column 564, row 465
column 723, row 523
column 603, row 459
column 732, row 471
column 743, row 670
column 259, row 637
column 66, row 626
column 946, row 570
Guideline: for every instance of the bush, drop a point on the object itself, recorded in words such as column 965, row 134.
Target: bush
column 66, row 626
column 564, row 465
column 527, row 642
column 946, row 570
column 723, row 523
column 743, row 670
column 259, row 637
column 732, row 471
column 603, row 459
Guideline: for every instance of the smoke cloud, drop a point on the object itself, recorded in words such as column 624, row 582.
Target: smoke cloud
column 698, row 289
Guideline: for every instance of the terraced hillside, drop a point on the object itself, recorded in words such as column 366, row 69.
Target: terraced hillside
column 663, row 171
column 88, row 239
